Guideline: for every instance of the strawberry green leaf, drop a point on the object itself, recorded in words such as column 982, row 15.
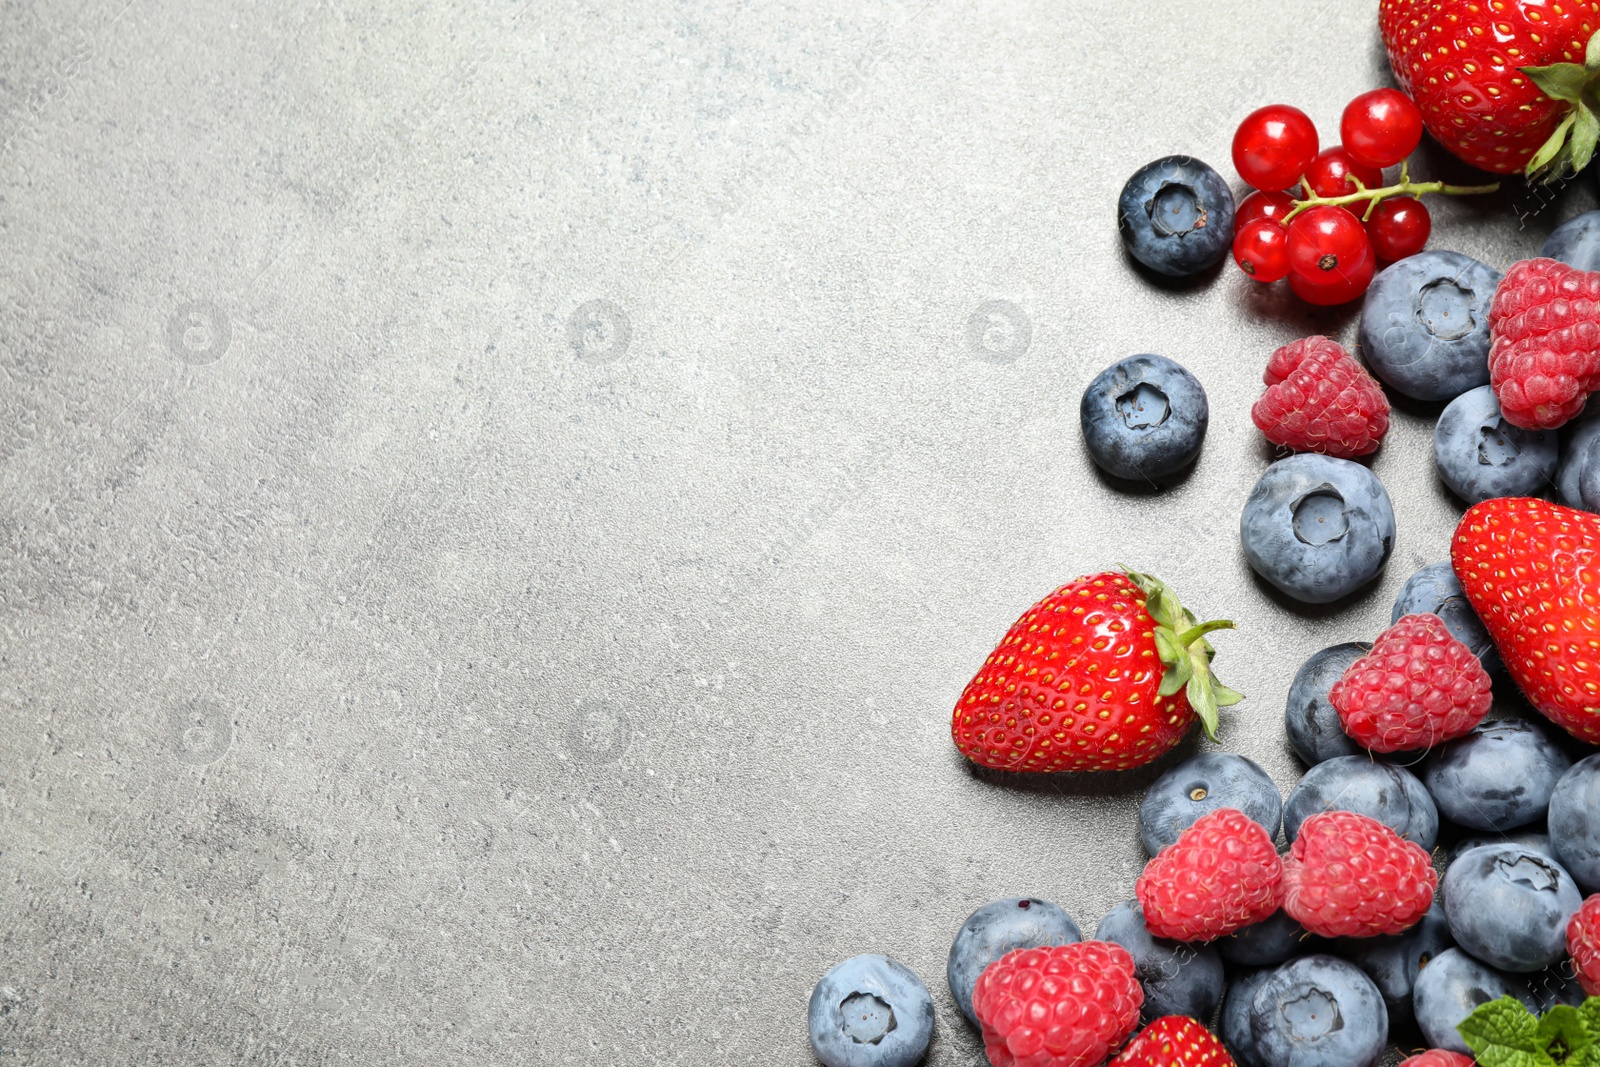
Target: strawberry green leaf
column 1225, row 696
column 1185, row 653
column 1560, row 81
column 1591, row 57
column 1176, row 677
column 1552, row 149
column 1585, row 135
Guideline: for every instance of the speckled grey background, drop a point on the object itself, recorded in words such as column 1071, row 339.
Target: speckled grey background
column 499, row 499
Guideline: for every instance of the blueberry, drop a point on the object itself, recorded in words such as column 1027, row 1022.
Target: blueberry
column 1435, row 590
column 1381, row 791
column 870, row 1011
column 1581, row 435
column 1235, row 1024
column 1144, row 417
column 1316, row 527
column 1480, row 455
column 1176, row 216
column 1178, row 979
column 1319, row 1011
column 1576, row 242
column 1425, row 324
column 997, row 928
column 1497, row 777
column 1393, row 962
column 1310, row 718
column 1201, row 785
column 1575, row 822
column 1450, row 988
column 1509, row 906
column 1589, row 478
column 1275, row 940
column 1526, row 838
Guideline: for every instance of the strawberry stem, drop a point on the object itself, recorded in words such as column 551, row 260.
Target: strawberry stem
column 1185, row 653
column 1405, row 187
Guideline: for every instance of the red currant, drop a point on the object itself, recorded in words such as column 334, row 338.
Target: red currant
column 1330, row 172
column 1272, row 146
column 1381, row 128
column 1259, row 205
column 1261, row 248
column 1342, row 289
column 1399, row 227
column 1325, row 243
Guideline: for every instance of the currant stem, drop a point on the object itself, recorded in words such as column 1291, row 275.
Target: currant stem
column 1405, row 187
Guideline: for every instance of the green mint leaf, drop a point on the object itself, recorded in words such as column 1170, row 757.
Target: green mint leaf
column 1560, row 81
column 1565, row 1037
column 1504, row 1033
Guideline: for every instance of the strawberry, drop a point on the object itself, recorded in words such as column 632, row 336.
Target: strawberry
column 1106, row 673
column 1532, row 571
column 1505, row 86
column 1174, row 1041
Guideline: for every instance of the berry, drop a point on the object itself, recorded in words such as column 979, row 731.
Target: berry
column 1575, row 242
column 1274, row 940
column 999, row 927
column 1316, row 527
column 1399, row 227
column 1480, row 455
column 1451, row 987
column 1544, row 359
column 1579, row 439
column 1273, row 146
column 1394, row 961
column 1075, row 683
column 1327, row 245
column 1417, row 687
column 1318, row 1011
column 1346, row 286
column 1583, row 945
column 1464, row 66
column 1392, row 795
column 1144, row 417
column 1222, row 874
column 1176, row 216
column 1574, row 829
column 1177, row 979
column 1261, row 248
column 1509, row 906
column 1425, row 324
column 1065, row 1006
column 1351, row 876
column 1438, row 1057
column 1201, row 785
column 1498, row 777
column 1589, row 479
column 1262, row 205
column 1435, row 590
column 1380, row 128
column 1310, row 718
column 1530, row 570
column 1175, row 1041
column 1318, row 399
column 1331, row 174
column 870, row 1011
column 1235, row 1022
column 1523, row 837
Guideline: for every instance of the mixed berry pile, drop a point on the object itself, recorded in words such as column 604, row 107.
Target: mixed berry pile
column 1364, row 931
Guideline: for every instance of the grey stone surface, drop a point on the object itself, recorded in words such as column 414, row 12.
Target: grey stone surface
column 499, row 500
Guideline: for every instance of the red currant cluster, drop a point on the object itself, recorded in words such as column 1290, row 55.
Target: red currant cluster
column 1324, row 219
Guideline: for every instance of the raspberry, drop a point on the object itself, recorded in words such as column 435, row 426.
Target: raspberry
column 1583, row 943
column 1544, row 360
column 1351, row 876
column 1062, row 1006
column 1221, row 875
column 1319, row 399
column 1438, row 1057
column 1417, row 687
column 1174, row 1041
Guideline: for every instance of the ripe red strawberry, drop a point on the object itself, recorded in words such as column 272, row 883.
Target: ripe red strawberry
column 1106, row 673
column 1349, row 875
column 1221, row 875
column 1061, row 1006
column 1417, row 687
column 1174, row 1041
column 1319, row 399
column 1438, row 1057
column 1545, row 357
column 1583, row 944
column 1501, row 85
column 1532, row 571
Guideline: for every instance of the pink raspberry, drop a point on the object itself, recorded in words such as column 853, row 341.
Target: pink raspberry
column 1417, row 687
column 1438, row 1057
column 1221, row 875
column 1319, row 399
column 1544, row 357
column 1062, row 1006
column 1583, row 944
column 1348, row 875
